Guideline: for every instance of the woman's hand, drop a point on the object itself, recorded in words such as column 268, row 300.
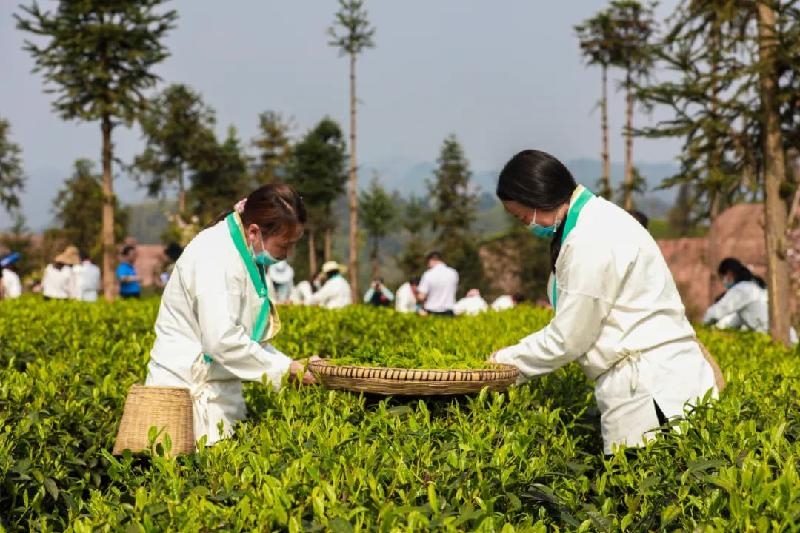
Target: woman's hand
column 298, row 372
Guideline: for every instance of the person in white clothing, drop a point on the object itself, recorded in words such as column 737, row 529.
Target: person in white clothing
column 438, row 286
column 406, row 297
column 216, row 319
column 471, row 304
column 745, row 303
column 9, row 279
column 335, row 291
column 301, row 293
column 12, row 287
column 87, row 279
column 58, row 281
column 617, row 309
column 282, row 276
column 505, row 302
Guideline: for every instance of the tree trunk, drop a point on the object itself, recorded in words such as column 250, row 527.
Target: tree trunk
column 312, row 254
column 715, row 157
column 374, row 254
column 327, row 238
column 604, row 156
column 107, row 232
column 181, row 192
column 353, row 263
column 774, row 174
column 628, row 187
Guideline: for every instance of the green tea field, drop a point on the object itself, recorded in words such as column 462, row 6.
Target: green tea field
column 310, row 459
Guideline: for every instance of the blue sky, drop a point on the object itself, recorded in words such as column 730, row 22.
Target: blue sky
column 503, row 76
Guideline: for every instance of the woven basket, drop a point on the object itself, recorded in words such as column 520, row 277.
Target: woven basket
column 412, row 382
column 169, row 409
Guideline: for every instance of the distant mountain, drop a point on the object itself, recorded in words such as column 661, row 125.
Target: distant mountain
column 402, row 174
column 410, row 176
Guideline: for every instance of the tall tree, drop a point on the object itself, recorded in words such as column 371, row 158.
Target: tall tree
column 273, row 146
column 378, row 213
column 454, row 206
column 769, row 73
column 317, row 171
column 12, row 178
column 736, row 102
column 632, row 28
column 416, row 217
column 352, row 34
column 220, row 178
column 78, row 206
column 596, row 39
column 98, row 58
column 177, row 126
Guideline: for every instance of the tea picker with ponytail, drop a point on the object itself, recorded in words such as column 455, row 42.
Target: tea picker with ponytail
column 617, row 309
column 216, row 317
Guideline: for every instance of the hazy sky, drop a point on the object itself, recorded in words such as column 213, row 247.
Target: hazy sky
column 502, row 75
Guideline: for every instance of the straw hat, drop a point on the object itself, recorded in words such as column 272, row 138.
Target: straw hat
column 69, row 256
column 330, row 266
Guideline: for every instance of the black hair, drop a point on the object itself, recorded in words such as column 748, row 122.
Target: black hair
column 83, row 255
column 173, row 251
column 127, row 249
column 537, row 180
column 731, row 265
column 414, row 281
column 433, row 255
column 640, row 217
column 332, row 272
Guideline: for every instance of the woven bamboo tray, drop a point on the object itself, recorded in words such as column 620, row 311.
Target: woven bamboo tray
column 412, row 382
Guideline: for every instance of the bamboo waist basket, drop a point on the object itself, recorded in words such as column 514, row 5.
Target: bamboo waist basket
column 168, row 409
column 412, row 382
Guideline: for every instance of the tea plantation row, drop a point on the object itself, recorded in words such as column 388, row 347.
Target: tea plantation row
column 309, row 459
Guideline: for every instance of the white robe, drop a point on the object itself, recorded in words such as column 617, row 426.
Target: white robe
column 58, row 283
column 743, row 306
column 209, row 306
column 619, row 315
column 12, row 287
column 405, row 300
column 470, row 306
column 334, row 294
column 86, row 281
column 301, row 293
column 503, row 303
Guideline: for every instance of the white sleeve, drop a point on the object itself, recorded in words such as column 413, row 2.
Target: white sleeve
column 582, row 306
column 368, row 295
column 731, row 321
column 323, row 295
column 423, row 288
column 221, row 333
column 731, row 302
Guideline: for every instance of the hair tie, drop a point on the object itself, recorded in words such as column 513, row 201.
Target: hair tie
column 239, row 206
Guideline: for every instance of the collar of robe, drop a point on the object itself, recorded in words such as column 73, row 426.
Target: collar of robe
column 572, row 218
column 256, row 276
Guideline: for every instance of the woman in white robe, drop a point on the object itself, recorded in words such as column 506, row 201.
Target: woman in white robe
column 216, row 319
column 745, row 304
column 617, row 309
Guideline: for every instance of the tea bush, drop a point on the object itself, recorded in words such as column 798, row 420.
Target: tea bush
column 308, row 459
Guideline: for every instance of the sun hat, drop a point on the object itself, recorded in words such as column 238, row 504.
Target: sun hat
column 69, row 256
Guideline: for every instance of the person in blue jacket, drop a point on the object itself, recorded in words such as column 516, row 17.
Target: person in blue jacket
column 129, row 286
